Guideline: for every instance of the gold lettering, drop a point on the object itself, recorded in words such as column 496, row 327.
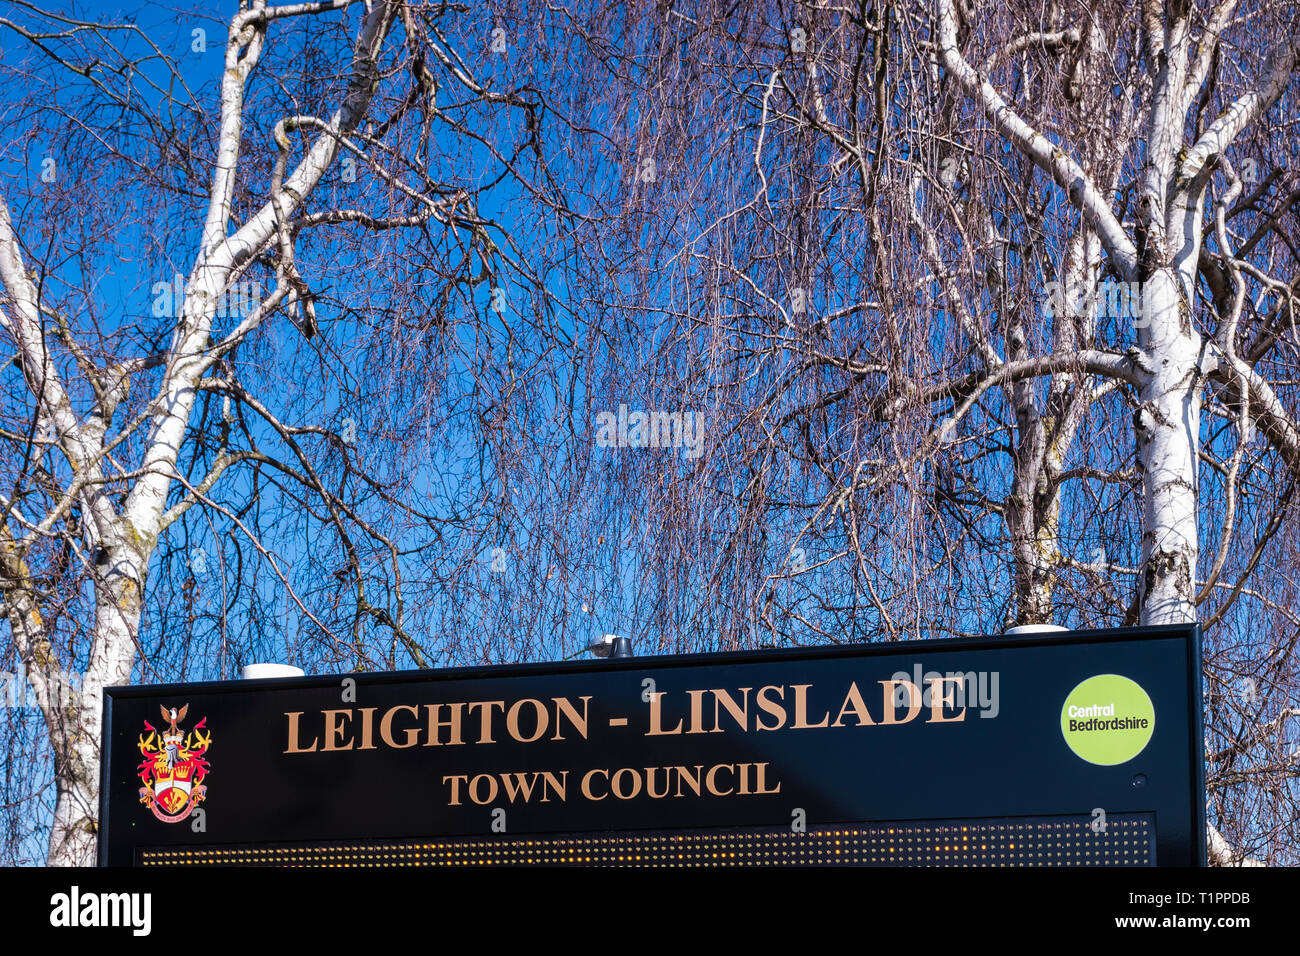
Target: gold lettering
column 563, row 708
column 334, row 721
column 435, row 725
column 854, row 703
column 485, row 718
column 775, row 709
column 697, row 711
column 549, row 782
column 656, row 725
column 293, row 747
column 618, row 791
column 492, row 789
column 713, row 787
column 521, row 783
column 512, row 720
column 739, row 713
column 650, row 782
column 913, row 699
column 386, row 727
column 455, row 788
column 368, row 728
column 586, row 784
column 801, row 710
column 937, row 702
column 693, row 783
column 760, row 779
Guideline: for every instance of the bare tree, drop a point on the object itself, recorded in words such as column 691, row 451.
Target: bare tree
column 316, row 274
column 987, row 307
column 929, row 318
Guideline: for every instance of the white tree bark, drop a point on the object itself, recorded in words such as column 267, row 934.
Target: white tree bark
column 124, row 539
column 1173, row 360
column 1167, row 428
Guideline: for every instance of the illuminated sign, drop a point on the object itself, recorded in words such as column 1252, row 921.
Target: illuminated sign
column 1079, row 748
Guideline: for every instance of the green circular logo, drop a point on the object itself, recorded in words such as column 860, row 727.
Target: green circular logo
column 1108, row 719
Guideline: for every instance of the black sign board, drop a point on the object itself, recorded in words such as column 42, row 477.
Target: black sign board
column 1047, row 749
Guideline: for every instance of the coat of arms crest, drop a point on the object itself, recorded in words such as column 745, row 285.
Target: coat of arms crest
column 174, row 768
